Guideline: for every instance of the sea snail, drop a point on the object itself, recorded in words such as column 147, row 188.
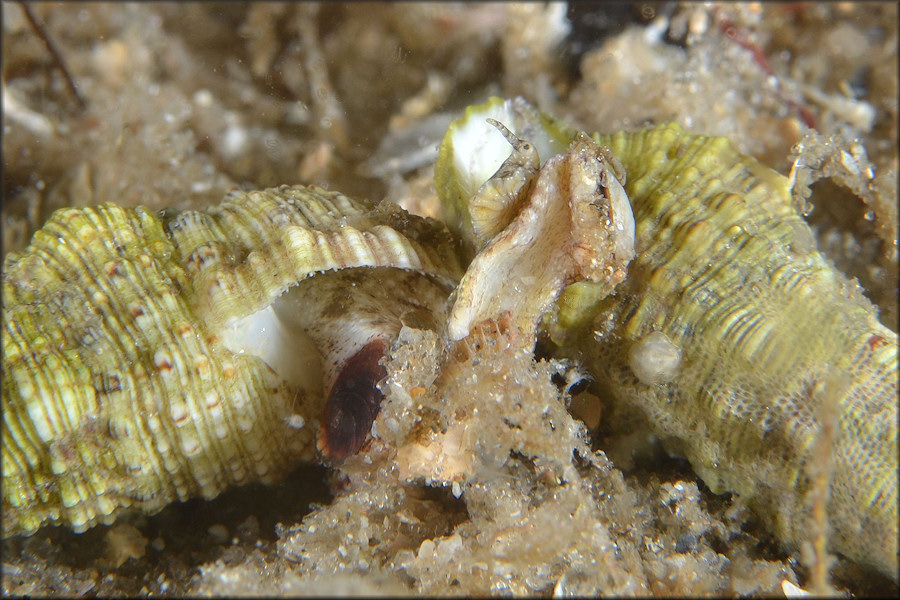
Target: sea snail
column 732, row 341
column 149, row 358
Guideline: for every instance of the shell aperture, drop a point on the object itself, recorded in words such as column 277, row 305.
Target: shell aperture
column 539, row 230
column 473, row 150
column 353, row 316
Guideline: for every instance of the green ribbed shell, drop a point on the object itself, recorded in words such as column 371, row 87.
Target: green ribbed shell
column 772, row 339
column 117, row 389
column 731, row 336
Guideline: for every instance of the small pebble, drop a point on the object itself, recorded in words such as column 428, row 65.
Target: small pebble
column 219, row 533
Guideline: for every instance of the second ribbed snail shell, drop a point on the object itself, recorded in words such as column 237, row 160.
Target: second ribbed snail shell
column 757, row 347
column 730, row 335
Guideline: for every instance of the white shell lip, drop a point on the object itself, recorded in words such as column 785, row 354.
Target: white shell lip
column 285, row 348
column 479, row 148
column 623, row 218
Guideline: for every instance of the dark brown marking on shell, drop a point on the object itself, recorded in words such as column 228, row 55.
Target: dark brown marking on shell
column 354, row 402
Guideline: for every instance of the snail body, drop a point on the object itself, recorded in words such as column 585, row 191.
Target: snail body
column 353, row 319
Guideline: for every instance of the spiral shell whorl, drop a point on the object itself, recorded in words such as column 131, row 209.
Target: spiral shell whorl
column 114, row 392
column 263, row 242
column 768, row 330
